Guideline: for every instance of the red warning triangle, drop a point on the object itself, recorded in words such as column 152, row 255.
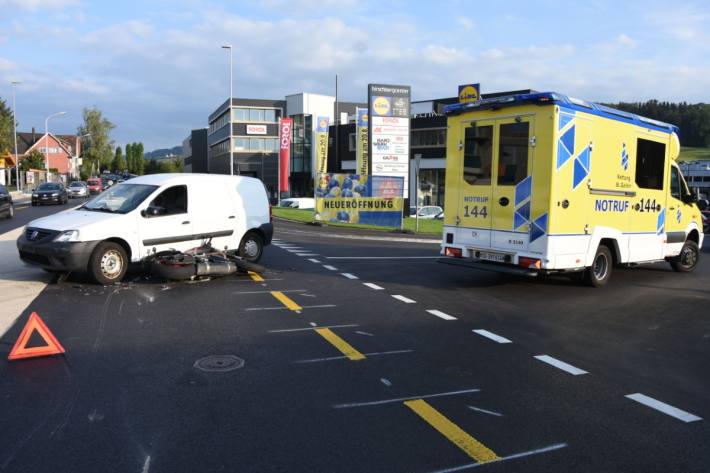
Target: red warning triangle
column 20, row 349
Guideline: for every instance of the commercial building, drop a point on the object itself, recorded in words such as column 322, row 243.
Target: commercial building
column 697, row 176
column 194, row 151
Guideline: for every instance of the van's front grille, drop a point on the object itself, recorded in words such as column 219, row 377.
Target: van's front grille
column 39, row 234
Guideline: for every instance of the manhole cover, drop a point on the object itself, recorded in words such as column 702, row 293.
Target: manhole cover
column 219, row 363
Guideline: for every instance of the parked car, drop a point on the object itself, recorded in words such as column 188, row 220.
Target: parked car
column 78, row 189
column 50, row 193
column 133, row 220
column 7, row 208
column 427, row 211
column 299, row 203
column 94, row 185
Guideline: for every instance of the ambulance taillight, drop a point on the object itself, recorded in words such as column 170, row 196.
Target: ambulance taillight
column 453, row 252
column 529, row 263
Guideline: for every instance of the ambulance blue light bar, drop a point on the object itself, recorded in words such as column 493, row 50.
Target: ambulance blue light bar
column 549, row 98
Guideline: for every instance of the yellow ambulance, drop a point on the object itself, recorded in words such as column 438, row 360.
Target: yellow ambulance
column 545, row 183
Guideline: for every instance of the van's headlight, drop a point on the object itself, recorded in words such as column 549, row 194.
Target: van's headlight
column 69, row 235
column 55, row 194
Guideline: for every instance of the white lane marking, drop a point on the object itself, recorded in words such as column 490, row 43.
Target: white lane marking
column 313, row 260
column 400, row 399
column 305, row 295
column 350, row 276
column 374, row 286
column 306, row 254
column 406, row 300
column 573, row 370
column 663, row 407
column 383, row 257
column 332, row 268
column 146, row 464
column 313, row 326
column 485, row 411
column 367, row 334
column 492, row 336
column 333, row 358
column 286, row 308
column 299, row 250
column 441, row 315
column 386, row 381
column 538, row 451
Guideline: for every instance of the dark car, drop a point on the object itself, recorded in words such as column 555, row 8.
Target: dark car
column 50, row 193
column 7, row 208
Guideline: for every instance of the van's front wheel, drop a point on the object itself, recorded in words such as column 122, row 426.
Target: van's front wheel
column 251, row 247
column 688, row 258
column 599, row 273
column 108, row 263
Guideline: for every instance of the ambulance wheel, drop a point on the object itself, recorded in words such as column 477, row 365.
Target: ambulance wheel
column 108, row 263
column 599, row 273
column 687, row 260
column 251, row 247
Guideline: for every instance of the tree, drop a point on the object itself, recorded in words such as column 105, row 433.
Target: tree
column 97, row 145
column 32, row 160
column 138, row 158
column 118, row 164
column 129, row 157
column 6, row 128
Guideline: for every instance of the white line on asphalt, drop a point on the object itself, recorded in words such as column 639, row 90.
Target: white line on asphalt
column 663, row 407
column 286, row 308
column 311, row 328
column 374, row 286
column 312, row 260
column 332, row 268
column 298, row 250
column 306, row 254
column 367, row 334
column 485, row 411
column 441, row 315
column 350, row 276
column 146, row 464
column 400, row 399
column 333, row 358
column 312, row 324
column 386, row 381
column 468, row 466
column 383, row 257
column 573, row 370
column 404, row 299
column 492, row 336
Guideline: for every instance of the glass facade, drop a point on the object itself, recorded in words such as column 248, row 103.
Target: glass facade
column 301, row 146
column 248, row 115
column 431, row 187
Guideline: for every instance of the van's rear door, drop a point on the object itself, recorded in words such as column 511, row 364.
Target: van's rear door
column 512, row 183
column 474, row 203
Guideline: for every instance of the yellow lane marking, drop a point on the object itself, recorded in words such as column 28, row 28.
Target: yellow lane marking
column 340, row 344
column 256, row 277
column 287, row 301
column 453, row 432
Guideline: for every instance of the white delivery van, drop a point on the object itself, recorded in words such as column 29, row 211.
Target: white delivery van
column 135, row 219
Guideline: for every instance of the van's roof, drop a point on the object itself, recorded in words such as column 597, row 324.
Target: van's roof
column 181, row 178
column 550, row 98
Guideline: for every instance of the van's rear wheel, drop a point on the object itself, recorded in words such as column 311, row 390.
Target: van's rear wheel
column 599, row 273
column 688, row 258
column 251, row 247
column 108, row 263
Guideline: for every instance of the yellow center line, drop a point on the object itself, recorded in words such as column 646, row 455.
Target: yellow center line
column 451, row 431
column 340, row 344
column 256, row 277
column 287, row 301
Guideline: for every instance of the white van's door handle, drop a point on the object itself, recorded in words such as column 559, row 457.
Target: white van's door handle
column 185, row 222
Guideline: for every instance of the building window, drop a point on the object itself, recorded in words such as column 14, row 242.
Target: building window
column 50, row 150
column 428, row 138
column 256, row 115
column 219, row 123
column 650, row 163
column 352, row 145
column 255, row 145
column 241, row 114
column 513, row 153
column 269, row 115
column 241, row 144
column 478, row 154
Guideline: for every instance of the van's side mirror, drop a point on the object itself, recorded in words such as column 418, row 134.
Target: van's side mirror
column 153, row 211
column 703, row 204
column 689, row 198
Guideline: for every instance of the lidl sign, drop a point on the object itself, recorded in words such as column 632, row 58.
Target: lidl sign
column 469, row 93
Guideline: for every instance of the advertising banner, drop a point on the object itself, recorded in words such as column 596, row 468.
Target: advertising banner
column 357, row 198
column 389, row 109
column 469, row 93
column 285, row 128
column 322, row 145
column 361, row 148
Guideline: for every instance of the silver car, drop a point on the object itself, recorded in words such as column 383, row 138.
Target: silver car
column 78, row 189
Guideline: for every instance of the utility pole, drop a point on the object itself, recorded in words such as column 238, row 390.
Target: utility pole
column 14, row 127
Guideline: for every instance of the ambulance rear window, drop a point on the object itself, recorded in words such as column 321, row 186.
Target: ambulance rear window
column 513, row 153
column 478, row 154
column 650, row 164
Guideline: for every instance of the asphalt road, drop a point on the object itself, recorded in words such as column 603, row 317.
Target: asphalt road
column 341, row 375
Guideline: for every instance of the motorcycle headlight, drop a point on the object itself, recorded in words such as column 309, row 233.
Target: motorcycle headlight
column 69, row 235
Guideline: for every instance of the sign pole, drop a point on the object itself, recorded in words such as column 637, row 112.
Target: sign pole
column 417, row 161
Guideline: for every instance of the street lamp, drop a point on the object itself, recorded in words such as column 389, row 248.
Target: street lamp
column 231, row 145
column 46, row 139
column 14, row 125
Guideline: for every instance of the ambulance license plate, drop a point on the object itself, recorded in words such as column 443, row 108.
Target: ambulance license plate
column 497, row 257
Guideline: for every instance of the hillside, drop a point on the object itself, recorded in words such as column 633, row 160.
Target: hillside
column 163, row 152
column 688, row 153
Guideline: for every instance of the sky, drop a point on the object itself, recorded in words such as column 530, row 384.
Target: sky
column 156, row 69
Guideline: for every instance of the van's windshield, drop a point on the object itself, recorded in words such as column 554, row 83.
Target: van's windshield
column 119, row 199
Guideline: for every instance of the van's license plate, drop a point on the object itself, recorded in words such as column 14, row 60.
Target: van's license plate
column 497, row 257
